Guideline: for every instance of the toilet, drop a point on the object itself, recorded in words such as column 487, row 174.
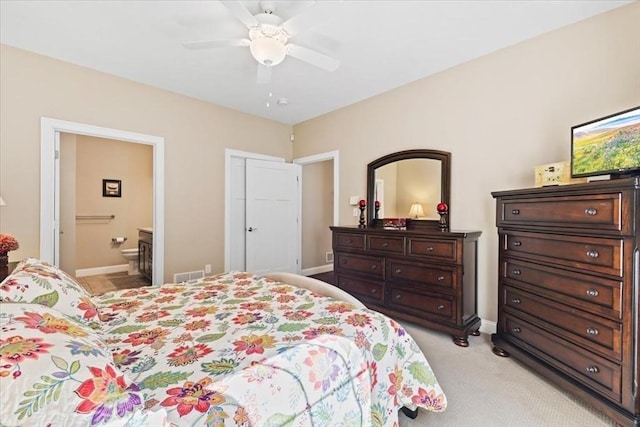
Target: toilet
column 131, row 255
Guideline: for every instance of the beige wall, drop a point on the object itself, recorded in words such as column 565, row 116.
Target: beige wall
column 130, row 163
column 317, row 212
column 499, row 116
column 196, row 134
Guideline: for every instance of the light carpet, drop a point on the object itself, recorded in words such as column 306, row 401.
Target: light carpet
column 487, row 390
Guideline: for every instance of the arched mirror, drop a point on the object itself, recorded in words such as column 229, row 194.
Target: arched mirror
column 409, row 184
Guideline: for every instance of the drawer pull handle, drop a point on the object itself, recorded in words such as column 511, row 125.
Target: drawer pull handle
column 430, row 249
column 516, row 272
column 591, row 211
column 398, row 296
column 440, row 278
column 516, row 301
column 373, row 267
column 593, row 369
column 385, row 244
column 592, row 331
column 398, row 271
column 517, row 243
column 593, row 254
column 374, row 290
column 515, row 211
column 349, row 241
column 343, row 261
column 516, row 330
column 592, row 292
column 440, row 307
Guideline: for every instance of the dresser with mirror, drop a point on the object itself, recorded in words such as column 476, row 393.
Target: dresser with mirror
column 423, row 272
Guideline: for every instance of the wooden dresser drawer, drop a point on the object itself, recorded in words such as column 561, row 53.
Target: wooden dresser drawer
column 576, row 211
column 370, row 265
column 590, row 293
column 368, row 290
column 594, row 333
column 594, row 371
column 436, row 249
column 429, row 275
column 347, row 241
column 587, row 253
column 406, row 299
column 393, row 245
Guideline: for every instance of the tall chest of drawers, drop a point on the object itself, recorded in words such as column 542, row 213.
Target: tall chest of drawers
column 568, row 289
column 426, row 277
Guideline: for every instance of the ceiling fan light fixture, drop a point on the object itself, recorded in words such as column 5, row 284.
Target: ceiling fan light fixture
column 268, row 51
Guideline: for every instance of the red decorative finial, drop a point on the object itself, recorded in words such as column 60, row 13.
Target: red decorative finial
column 442, row 207
column 362, row 203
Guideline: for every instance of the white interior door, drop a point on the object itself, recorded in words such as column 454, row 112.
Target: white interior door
column 272, row 216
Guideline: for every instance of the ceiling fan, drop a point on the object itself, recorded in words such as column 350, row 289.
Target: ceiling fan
column 268, row 39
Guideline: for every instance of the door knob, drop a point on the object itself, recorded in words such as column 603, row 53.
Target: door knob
column 250, row 229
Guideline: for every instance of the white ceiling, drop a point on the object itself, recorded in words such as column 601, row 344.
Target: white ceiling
column 381, row 44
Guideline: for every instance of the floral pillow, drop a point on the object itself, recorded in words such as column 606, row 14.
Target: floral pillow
column 56, row 372
column 35, row 281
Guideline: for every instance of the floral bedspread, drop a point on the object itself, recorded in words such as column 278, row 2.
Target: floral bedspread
column 237, row 350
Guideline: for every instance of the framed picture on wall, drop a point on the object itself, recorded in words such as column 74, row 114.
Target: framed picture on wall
column 111, row 188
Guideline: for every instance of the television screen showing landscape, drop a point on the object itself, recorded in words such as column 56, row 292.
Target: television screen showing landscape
column 607, row 145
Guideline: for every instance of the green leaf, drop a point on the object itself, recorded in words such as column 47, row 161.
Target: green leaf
column 163, row 379
column 127, row 329
column 305, row 306
column 60, row 362
column 170, row 322
column 210, row 337
column 234, row 301
column 220, row 367
column 326, row 321
column 379, row 350
column 280, row 420
column 256, row 327
column 421, row 373
column 292, row 327
column 173, row 307
column 48, row 300
column 75, row 365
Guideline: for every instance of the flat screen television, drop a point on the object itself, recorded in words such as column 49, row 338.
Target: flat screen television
column 607, row 146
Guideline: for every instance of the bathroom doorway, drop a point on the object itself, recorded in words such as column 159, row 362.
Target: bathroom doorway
column 50, row 194
column 95, row 228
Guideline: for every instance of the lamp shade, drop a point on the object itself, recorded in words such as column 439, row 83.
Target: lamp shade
column 416, row 210
column 2, row 203
column 268, row 51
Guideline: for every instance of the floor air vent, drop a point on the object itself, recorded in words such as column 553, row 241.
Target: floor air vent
column 188, row 276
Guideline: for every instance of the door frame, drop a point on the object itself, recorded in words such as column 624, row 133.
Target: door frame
column 322, row 157
column 50, row 185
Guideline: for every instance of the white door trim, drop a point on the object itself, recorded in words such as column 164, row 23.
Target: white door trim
column 330, row 155
column 228, row 154
column 49, row 185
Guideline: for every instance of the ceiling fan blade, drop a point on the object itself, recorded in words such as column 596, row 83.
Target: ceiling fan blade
column 312, row 57
column 264, row 74
column 241, row 12
column 315, row 13
column 211, row 44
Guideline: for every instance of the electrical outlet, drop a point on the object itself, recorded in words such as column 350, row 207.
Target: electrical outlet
column 353, row 200
column 356, row 212
column 207, row 268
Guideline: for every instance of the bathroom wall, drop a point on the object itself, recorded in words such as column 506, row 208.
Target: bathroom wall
column 98, row 159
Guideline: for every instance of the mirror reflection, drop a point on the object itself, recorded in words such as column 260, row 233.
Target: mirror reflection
column 408, row 188
column 408, row 184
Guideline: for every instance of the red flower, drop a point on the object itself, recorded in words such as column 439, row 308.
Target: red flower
column 105, row 392
column 254, row 343
column 89, row 308
column 8, row 243
column 193, row 396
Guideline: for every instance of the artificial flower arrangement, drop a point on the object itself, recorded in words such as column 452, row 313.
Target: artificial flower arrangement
column 8, row 243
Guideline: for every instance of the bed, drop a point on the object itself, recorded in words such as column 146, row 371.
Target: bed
column 231, row 349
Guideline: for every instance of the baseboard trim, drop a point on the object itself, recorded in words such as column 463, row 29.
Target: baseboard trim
column 317, row 270
column 102, row 270
column 488, row 327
